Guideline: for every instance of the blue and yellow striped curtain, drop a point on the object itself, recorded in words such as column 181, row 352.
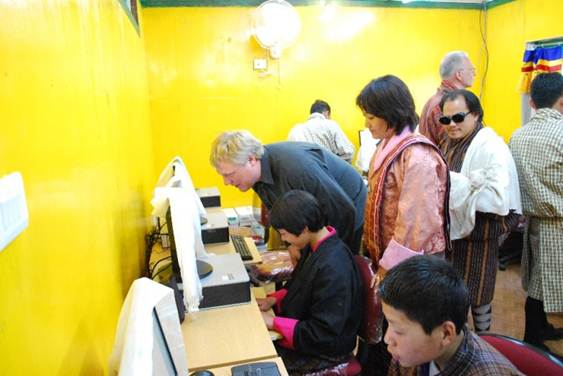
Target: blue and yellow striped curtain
column 539, row 59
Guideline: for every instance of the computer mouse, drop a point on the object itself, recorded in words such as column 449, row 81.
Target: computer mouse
column 203, row 372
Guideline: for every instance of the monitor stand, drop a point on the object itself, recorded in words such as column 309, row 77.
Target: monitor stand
column 203, row 268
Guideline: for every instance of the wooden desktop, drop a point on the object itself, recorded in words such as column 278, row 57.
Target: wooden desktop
column 219, row 338
column 225, row 336
column 224, row 248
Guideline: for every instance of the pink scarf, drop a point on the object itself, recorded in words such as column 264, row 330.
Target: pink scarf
column 386, row 146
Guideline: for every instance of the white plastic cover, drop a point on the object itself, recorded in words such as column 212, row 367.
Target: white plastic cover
column 133, row 348
column 175, row 174
column 175, row 190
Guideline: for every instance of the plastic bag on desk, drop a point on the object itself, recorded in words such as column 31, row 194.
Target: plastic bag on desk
column 276, row 266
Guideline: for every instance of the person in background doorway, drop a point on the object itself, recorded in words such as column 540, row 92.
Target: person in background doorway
column 484, row 200
column 407, row 207
column 537, row 149
column 456, row 72
column 320, row 129
column 365, row 151
column 318, row 312
column 274, row 169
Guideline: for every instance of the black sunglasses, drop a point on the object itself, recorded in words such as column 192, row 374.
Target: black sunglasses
column 457, row 118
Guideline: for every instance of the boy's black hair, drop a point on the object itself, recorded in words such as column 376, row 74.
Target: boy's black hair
column 428, row 290
column 471, row 100
column 389, row 98
column 546, row 89
column 319, row 106
column 296, row 210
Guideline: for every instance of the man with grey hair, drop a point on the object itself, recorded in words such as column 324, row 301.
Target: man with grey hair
column 457, row 72
column 274, row 169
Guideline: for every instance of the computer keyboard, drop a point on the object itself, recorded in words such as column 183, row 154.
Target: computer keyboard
column 241, row 247
column 256, row 369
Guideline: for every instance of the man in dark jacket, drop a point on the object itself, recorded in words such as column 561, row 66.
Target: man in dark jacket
column 274, row 169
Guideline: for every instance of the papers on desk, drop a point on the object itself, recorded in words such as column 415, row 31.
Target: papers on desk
column 274, row 336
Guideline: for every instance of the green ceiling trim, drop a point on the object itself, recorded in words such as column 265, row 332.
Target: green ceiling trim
column 364, row 3
column 199, row 3
column 496, row 3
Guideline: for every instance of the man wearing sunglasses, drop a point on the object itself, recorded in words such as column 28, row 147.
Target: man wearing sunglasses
column 538, row 152
column 457, row 72
column 484, row 197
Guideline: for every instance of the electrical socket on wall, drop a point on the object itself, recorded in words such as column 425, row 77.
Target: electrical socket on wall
column 14, row 216
column 260, row 64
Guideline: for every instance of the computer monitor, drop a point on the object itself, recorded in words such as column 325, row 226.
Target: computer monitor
column 149, row 338
column 169, row 354
column 177, row 204
column 203, row 268
column 175, row 174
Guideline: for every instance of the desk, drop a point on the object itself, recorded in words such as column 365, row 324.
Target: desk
column 158, row 254
column 260, row 292
column 224, row 248
column 225, row 336
column 226, row 371
column 227, row 247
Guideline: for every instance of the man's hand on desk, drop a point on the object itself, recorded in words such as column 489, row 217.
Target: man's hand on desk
column 265, row 303
column 268, row 320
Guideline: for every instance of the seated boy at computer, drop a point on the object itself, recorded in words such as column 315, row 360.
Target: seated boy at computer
column 319, row 311
column 426, row 304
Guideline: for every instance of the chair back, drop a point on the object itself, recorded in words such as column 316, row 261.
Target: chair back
column 528, row 359
column 372, row 318
column 349, row 368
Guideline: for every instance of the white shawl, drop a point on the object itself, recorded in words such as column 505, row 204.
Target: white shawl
column 132, row 353
column 487, row 182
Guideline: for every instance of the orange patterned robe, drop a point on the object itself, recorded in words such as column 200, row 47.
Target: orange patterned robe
column 408, row 200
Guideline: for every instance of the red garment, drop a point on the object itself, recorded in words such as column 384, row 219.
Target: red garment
column 331, row 232
column 286, row 327
column 429, row 125
column 278, row 295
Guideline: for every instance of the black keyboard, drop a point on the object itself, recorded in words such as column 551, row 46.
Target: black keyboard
column 241, row 247
column 256, row 369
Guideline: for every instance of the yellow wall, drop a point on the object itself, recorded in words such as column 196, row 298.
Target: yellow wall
column 510, row 26
column 201, row 79
column 75, row 122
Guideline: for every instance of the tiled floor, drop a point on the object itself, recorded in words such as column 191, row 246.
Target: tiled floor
column 508, row 308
